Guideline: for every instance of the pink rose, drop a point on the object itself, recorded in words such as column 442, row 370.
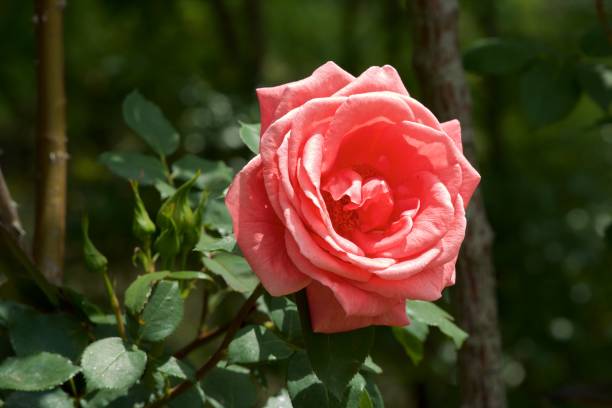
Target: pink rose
column 358, row 195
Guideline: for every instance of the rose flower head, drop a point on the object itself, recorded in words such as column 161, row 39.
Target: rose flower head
column 358, row 194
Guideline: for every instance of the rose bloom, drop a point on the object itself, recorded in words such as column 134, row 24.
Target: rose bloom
column 358, row 195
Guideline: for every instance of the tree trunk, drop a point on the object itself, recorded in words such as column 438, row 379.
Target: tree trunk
column 437, row 62
column 51, row 141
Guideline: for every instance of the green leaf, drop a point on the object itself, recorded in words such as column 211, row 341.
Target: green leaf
column 284, row 314
column 55, row 333
column 94, row 260
column 147, row 170
column 373, row 391
column 104, row 397
column 256, row 344
column 281, row 400
column 190, row 275
column 305, row 388
column 138, row 292
column 11, row 312
column 496, row 56
column 148, row 121
column 108, row 364
column 234, row 270
column 208, row 244
column 595, row 42
column 548, row 92
column 163, row 312
column 214, row 176
column 249, row 133
column 174, row 367
column 216, row 217
column 370, row 366
column 193, row 397
column 432, row 315
column 336, row 358
column 411, row 338
column 596, row 81
column 36, row 372
column 45, row 399
column 356, row 396
column 221, row 386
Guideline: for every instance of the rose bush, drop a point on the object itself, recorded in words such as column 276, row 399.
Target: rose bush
column 358, row 195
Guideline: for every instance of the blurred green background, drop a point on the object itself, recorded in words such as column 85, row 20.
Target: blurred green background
column 544, row 144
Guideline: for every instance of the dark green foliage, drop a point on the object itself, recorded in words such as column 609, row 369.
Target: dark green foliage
column 234, row 270
column 111, row 364
column 305, row 388
column 549, row 91
column 42, row 399
column 36, row 372
column 256, row 344
column 147, row 170
column 148, row 121
column 249, row 133
column 163, row 312
column 222, row 384
column 496, row 56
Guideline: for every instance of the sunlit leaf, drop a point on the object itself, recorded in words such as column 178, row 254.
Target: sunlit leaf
column 108, row 363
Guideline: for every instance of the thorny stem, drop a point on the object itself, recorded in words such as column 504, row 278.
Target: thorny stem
column 50, row 225
column 234, row 326
column 112, row 297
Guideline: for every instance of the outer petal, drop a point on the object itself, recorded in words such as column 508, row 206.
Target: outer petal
column 354, row 301
column 375, row 79
column 260, row 234
column 328, row 316
column 453, row 129
column 274, row 102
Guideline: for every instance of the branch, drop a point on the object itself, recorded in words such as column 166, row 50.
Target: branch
column 201, row 340
column 437, row 63
column 50, row 226
column 13, row 235
column 603, row 19
column 9, row 216
column 218, row 354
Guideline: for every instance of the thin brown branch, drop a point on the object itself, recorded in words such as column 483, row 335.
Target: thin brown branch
column 437, row 63
column 233, row 328
column 52, row 158
column 9, row 216
column 201, row 340
column 600, row 8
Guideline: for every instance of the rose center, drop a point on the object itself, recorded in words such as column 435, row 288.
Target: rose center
column 357, row 202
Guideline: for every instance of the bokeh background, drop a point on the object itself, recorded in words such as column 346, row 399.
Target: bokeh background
column 546, row 176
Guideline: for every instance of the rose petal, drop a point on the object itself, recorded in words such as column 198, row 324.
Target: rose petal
column 375, row 79
column 453, row 129
column 276, row 101
column 260, row 234
column 328, row 316
column 359, row 111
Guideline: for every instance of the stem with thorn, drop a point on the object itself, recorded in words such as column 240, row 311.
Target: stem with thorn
column 232, row 329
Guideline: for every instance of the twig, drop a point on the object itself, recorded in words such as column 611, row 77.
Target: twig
column 25, row 259
column 201, row 340
column 218, row 355
column 50, row 226
column 8, row 213
column 112, row 297
column 603, row 18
